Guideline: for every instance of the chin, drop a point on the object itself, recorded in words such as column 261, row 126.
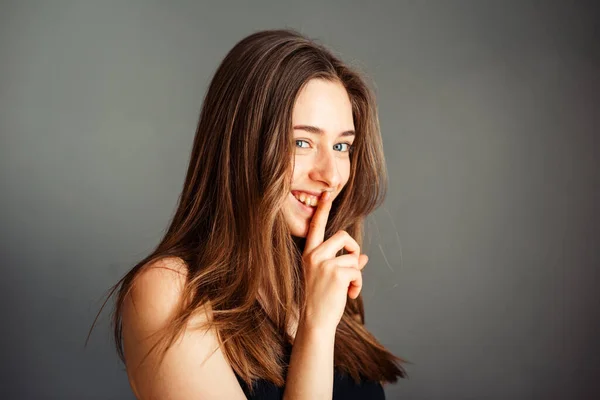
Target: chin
column 299, row 231
column 297, row 225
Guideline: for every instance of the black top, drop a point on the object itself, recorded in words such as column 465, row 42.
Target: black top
column 344, row 387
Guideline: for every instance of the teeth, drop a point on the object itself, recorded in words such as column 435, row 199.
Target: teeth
column 309, row 200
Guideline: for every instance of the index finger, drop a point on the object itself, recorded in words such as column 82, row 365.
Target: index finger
column 316, row 228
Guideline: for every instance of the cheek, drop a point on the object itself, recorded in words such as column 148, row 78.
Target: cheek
column 299, row 168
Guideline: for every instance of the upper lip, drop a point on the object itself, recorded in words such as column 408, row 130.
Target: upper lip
column 317, row 194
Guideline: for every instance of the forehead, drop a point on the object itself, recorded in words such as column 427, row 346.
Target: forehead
column 324, row 104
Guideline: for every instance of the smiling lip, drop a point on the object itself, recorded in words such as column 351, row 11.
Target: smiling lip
column 303, row 207
column 317, row 194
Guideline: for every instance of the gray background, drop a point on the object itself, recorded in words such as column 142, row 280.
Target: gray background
column 484, row 260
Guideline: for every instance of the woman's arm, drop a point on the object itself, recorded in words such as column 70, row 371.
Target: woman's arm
column 150, row 305
column 310, row 373
column 329, row 280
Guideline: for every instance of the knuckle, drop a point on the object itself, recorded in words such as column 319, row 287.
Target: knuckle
column 338, row 275
column 348, row 237
column 353, row 261
column 328, row 265
column 312, row 258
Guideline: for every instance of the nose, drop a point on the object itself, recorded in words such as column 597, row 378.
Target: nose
column 325, row 169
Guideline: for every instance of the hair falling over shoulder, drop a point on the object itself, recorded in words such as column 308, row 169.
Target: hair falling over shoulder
column 228, row 228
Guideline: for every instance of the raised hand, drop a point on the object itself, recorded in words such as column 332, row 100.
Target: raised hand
column 329, row 280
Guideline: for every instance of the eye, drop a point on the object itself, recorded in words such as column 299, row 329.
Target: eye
column 348, row 146
column 302, row 141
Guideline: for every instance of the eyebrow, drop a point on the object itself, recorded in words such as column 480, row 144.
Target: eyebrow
column 319, row 131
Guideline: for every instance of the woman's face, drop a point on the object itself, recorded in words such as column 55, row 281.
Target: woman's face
column 323, row 134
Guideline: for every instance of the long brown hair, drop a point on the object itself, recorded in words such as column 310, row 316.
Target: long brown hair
column 229, row 228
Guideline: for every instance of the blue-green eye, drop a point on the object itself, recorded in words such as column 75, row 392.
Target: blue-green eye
column 301, row 141
column 348, row 146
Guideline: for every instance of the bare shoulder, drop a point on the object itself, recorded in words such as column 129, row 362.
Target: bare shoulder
column 194, row 367
column 156, row 291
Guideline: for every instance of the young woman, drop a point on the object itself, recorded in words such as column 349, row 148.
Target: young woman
column 254, row 291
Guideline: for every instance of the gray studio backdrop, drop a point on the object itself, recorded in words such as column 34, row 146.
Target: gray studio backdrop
column 484, row 261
